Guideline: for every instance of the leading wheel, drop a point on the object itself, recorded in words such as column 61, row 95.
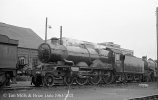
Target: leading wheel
column 95, row 78
column 49, row 80
column 68, row 80
column 81, row 81
column 108, row 77
column 37, row 80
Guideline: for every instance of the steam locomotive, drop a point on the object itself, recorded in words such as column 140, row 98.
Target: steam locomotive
column 85, row 63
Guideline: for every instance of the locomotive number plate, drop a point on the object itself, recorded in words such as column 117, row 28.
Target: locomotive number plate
column 74, row 68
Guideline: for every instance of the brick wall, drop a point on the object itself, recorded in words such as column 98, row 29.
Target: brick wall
column 28, row 56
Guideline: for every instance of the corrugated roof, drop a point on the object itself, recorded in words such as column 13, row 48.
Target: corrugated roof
column 27, row 38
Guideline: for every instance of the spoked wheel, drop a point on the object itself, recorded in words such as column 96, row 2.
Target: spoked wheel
column 95, row 78
column 68, row 80
column 49, row 80
column 108, row 77
column 81, row 81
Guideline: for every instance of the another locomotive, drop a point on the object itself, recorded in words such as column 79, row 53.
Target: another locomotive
column 87, row 63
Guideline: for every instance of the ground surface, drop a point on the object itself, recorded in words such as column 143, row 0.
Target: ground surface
column 24, row 91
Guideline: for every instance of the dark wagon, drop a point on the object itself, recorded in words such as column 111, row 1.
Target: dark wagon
column 8, row 59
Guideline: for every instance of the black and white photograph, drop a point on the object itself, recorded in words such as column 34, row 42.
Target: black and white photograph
column 78, row 49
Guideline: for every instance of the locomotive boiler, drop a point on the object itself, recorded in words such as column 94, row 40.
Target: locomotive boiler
column 52, row 51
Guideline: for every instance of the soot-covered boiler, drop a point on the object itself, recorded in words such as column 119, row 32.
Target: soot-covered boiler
column 53, row 51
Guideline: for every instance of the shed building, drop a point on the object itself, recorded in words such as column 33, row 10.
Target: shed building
column 28, row 43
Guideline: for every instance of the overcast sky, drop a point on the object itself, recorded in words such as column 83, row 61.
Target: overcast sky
column 130, row 23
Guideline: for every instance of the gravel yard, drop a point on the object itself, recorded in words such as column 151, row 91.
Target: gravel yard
column 24, row 91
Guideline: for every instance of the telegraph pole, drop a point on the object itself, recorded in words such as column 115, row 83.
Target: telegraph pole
column 46, row 31
column 61, row 35
column 157, row 40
